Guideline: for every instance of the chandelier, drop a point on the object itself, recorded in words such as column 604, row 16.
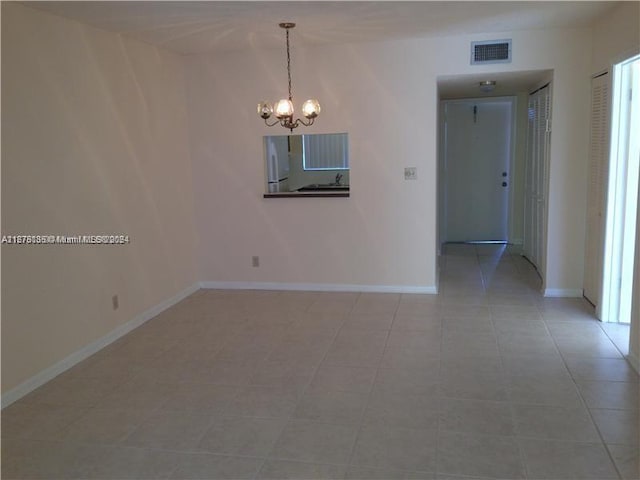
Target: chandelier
column 283, row 109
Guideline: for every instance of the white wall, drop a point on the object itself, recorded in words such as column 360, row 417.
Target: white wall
column 615, row 36
column 385, row 96
column 368, row 239
column 94, row 140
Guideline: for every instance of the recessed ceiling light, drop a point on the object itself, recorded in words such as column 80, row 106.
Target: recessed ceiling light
column 487, row 86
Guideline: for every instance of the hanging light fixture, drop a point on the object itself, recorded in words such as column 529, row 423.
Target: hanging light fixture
column 283, row 109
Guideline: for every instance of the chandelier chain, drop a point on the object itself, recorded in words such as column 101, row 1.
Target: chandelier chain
column 289, row 65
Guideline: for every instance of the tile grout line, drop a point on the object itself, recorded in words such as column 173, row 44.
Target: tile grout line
column 290, row 418
column 521, row 455
column 583, row 401
column 371, row 389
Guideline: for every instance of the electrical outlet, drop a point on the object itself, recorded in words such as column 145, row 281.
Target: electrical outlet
column 115, row 303
column 255, row 261
column 411, row 173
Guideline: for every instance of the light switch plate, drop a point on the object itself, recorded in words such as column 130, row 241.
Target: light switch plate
column 410, row 173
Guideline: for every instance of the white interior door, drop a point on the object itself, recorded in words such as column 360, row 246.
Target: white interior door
column 478, row 151
column 538, row 145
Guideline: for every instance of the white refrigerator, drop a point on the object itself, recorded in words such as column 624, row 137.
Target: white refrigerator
column 277, row 151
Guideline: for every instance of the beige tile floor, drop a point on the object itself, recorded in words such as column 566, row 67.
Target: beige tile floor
column 485, row 380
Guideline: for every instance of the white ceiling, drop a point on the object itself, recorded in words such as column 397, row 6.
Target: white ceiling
column 507, row 83
column 196, row 27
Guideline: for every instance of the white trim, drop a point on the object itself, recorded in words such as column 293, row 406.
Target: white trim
column 563, row 292
column 66, row 363
column 634, row 361
column 319, row 287
column 511, row 214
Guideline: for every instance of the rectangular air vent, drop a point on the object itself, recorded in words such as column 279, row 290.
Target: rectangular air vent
column 491, row 51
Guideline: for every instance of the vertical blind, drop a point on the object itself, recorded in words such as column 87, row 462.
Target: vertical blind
column 325, row 152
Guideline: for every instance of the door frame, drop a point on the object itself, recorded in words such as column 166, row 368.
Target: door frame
column 442, row 177
column 620, row 231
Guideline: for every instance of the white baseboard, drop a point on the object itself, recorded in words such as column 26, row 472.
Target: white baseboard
column 563, row 292
column 66, row 363
column 634, row 361
column 319, row 287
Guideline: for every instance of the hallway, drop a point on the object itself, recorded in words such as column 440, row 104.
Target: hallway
column 485, row 380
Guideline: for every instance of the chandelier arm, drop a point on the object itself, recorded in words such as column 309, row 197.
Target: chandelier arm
column 306, row 124
column 270, row 124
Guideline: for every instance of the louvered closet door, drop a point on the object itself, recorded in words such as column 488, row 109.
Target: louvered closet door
column 544, row 132
column 530, row 201
column 538, row 144
column 598, row 162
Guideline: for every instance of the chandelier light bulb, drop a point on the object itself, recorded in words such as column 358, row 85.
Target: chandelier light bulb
column 265, row 110
column 284, row 108
column 311, row 108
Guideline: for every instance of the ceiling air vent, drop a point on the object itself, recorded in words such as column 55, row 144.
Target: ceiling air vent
column 491, row 51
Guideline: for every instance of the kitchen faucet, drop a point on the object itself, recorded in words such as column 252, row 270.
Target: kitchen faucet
column 338, row 178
